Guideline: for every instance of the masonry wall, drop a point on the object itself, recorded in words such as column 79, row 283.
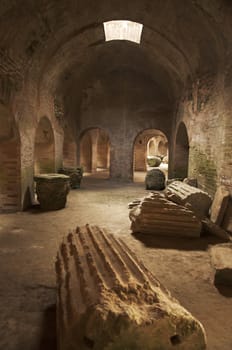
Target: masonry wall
column 10, row 179
column 123, row 105
column 207, row 116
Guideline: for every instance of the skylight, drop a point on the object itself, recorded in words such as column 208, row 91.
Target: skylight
column 123, row 30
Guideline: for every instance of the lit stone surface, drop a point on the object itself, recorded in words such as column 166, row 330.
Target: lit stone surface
column 108, row 300
column 184, row 194
column 157, row 215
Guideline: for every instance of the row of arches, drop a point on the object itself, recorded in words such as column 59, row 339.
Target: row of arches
column 92, row 153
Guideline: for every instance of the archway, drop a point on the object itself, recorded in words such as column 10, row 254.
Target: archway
column 181, row 156
column 95, row 152
column 44, row 153
column 10, row 174
column 148, row 145
column 69, row 149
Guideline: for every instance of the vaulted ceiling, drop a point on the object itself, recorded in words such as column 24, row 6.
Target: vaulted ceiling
column 60, row 45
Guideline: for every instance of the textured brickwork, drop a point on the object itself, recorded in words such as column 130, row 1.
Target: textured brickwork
column 9, row 176
column 209, row 131
column 58, row 65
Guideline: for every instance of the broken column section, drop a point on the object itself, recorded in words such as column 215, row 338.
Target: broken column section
column 157, row 215
column 107, row 299
column 184, row 194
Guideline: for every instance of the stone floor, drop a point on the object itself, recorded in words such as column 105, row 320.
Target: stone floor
column 28, row 245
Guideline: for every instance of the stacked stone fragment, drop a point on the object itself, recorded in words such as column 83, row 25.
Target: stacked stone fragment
column 159, row 216
column 184, row 194
column 107, row 299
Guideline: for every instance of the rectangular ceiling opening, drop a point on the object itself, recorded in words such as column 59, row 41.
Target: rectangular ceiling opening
column 123, row 30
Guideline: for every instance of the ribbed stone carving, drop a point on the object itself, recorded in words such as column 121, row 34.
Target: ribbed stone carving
column 108, row 300
column 183, row 194
column 157, row 215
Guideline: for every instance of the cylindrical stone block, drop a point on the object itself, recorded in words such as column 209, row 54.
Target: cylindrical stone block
column 52, row 190
column 108, row 300
column 184, row 194
column 155, row 180
column 75, row 175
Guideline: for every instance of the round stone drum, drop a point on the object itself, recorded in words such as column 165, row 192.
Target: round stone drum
column 155, row 180
column 52, row 190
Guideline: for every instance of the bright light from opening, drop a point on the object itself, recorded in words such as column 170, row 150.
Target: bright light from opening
column 123, row 30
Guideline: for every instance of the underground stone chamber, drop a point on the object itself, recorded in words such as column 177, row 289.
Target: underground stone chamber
column 73, row 94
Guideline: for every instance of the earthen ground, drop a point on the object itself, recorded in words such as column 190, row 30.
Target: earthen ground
column 28, row 246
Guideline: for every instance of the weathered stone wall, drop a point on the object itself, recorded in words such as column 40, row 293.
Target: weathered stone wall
column 10, row 176
column 209, row 127
column 103, row 150
column 124, row 105
column 59, row 56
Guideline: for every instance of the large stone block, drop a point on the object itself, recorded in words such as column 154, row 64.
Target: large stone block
column 155, row 180
column 108, row 300
column 221, row 257
column 75, row 175
column 219, row 205
column 157, row 215
column 184, row 194
column 52, row 190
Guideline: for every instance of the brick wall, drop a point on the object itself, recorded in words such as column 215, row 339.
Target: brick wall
column 10, row 180
column 44, row 153
column 69, row 153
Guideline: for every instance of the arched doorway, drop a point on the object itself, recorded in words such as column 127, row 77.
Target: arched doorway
column 95, row 152
column 69, row 149
column 10, row 174
column 44, row 153
column 181, row 156
column 149, row 144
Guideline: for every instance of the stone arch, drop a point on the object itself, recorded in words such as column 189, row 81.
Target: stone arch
column 95, row 150
column 151, row 146
column 44, row 152
column 163, row 148
column 181, row 155
column 10, row 172
column 69, row 149
column 147, row 144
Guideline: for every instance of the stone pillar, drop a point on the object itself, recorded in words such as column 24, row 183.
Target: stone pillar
column 121, row 159
column 94, row 136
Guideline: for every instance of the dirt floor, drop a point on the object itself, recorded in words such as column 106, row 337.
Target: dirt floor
column 28, row 246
